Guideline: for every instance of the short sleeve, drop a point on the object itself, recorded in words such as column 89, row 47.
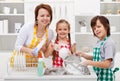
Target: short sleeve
column 109, row 50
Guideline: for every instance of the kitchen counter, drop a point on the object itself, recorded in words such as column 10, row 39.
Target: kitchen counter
column 34, row 77
column 31, row 77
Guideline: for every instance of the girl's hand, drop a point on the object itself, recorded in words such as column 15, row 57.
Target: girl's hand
column 56, row 47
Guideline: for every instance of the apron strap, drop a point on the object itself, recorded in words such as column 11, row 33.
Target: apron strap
column 103, row 41
column 116, row 69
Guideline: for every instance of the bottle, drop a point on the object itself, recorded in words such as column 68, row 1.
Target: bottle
column 15, row 11
column 41, row 67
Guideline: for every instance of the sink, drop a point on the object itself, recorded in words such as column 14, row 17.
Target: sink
column 51, row 74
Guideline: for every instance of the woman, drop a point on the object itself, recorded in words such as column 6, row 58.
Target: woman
column 32, row 34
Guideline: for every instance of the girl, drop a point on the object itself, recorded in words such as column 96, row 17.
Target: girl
column 104, row 50
column 63, row 40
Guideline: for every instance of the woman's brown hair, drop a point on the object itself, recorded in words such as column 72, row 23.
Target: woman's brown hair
column 103, row 20
column 44, row 6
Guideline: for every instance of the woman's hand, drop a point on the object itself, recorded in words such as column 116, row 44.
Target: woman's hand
column 30, row 51
column 27, row 50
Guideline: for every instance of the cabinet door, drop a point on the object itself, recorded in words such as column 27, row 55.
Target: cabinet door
column 83, row 7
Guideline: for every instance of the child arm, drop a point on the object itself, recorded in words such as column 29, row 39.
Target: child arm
column 73, row 48
column 102, row 64
column 86, row 56
column 49, row 50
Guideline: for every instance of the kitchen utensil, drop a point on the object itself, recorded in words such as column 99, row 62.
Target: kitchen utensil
column 17, row 27
column 6, row 10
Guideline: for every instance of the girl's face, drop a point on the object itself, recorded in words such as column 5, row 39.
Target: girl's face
column 62, row 30
column 43, row 17
column 100, row 30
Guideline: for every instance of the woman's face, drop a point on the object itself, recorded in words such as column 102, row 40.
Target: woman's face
column 100, row 30
column 62, row 30
column 43, row 17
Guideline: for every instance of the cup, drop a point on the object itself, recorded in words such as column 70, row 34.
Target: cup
column 6, row 10
column 83, row 29
column 113, row 28
column 17, row 27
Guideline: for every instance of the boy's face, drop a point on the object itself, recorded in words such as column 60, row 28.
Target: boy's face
column 99, row 30
column 62, row 30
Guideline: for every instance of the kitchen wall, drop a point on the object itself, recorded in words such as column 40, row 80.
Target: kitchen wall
column 7, row 42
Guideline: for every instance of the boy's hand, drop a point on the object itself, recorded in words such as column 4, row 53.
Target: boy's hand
column 85, row 63
column 79, row 54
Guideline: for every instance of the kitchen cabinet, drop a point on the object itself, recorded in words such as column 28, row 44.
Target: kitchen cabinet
column 108, row 8
column 11, row 20
column 11, row 15
column 83, row 33
column 111, row 9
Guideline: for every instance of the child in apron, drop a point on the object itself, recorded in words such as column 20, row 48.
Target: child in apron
column 62, row 45
column 103, row 52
